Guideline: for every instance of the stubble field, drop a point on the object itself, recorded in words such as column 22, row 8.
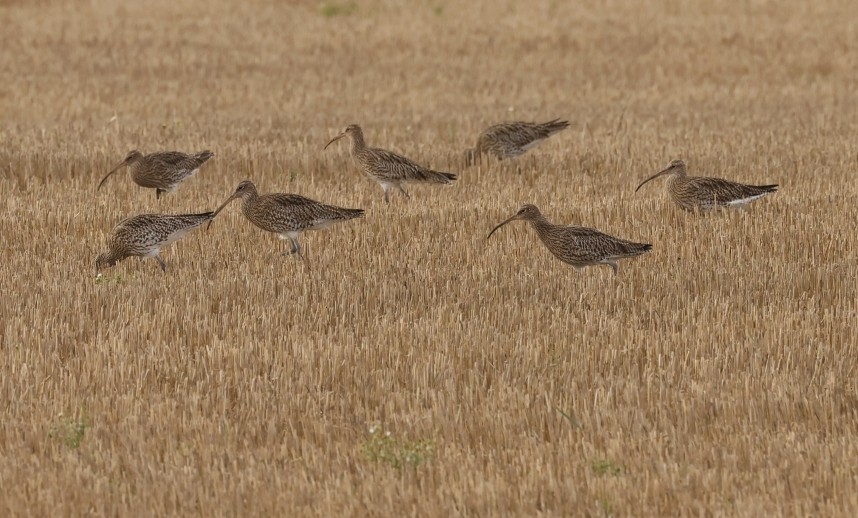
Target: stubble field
column 417, row 368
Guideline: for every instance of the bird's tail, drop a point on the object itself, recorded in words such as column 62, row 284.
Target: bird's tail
column 554, row 126
column 767, row 188
column 638, row 248
column 352, row 213
column 195, row 220
column 202, row 216
column 440, row 177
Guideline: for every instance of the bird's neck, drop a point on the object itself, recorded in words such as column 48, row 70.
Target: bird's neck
column 358, row 143
column 248, row 199
column 114, row 254
column 134, row 163
column 676, row 178
column 543, row 228
column 540, row 223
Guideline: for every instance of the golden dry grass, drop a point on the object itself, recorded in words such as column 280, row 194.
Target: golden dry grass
column 714, row 376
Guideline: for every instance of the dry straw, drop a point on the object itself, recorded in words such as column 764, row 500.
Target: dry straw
column 713, row 375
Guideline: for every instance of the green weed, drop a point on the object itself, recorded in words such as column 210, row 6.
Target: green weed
column 331, row 9
column 382, row 446
column 69, row 431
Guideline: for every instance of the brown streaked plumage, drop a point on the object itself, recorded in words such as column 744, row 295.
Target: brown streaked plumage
column 699, row 192
column 287, row 214
column 386, row 167
column 577, row 246
column 144, row 236
column 163, row 171
column 512, row 139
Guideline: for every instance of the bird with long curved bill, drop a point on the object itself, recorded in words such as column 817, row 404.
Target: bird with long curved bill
column 388, row 168
column 577, row 246
column 704, row 193
column 163, row 171
column 287, row 215
column 146, row 234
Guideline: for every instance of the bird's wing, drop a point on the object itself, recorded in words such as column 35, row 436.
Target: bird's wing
column 174, row 164
column 142, row 230
column 395, row 166
column 594, row 244
column 511, row 139
column 709, row 190
column 309, row 212
column 518, row 133
column 170, row 157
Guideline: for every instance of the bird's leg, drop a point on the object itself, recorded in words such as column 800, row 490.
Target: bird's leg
column 613, row 265
column 161, row 262
column 407, row 196
column 385, row 187
column 158, row 194
column 294, row 248
column 297, row 250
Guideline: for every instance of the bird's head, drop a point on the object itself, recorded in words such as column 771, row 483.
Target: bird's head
column 245, row 188
column 104, row 260
column 352, row 130
column 129, row 159
column 674, row 167
column 528, row 212
column 132, row 157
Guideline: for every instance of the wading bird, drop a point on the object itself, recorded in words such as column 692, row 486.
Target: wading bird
column 513, row 139
column 386, row 167
column 163, row 172
column 287, row 214
column 144, row 236
column 699, row 192
column 577, row 246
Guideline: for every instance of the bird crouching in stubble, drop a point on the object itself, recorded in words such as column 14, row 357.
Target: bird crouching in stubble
column 146, row 234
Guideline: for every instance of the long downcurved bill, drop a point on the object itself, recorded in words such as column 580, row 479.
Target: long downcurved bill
column 117, row 168
column 653, row 177
column 511, row 218
column 222, row 205
column 338, row 137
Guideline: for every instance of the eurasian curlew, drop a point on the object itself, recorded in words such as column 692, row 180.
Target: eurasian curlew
column 386, row 167
column 513, row 139
column 144, row 236
column 287, row 214
column 577, row 246
column 699, row 192
column 163, row 171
